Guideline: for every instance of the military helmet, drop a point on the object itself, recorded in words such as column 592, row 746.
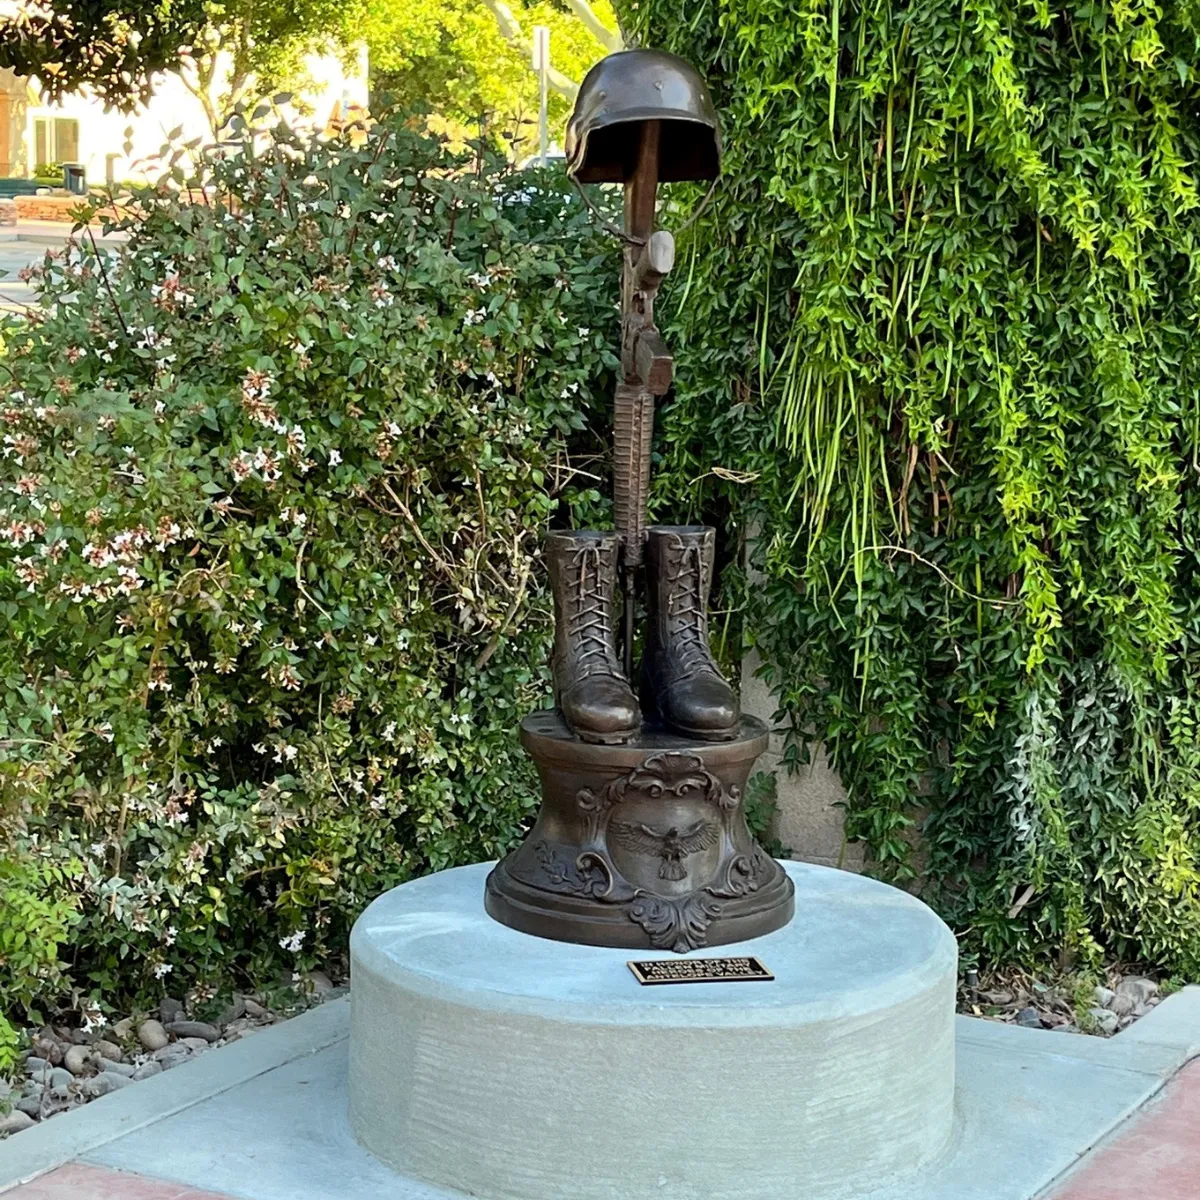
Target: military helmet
column 630, row 87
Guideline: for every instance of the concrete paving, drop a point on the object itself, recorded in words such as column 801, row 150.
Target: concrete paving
column 266, row 1119
column 25, row 244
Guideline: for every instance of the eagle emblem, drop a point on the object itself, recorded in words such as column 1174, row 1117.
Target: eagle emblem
column 672, row 847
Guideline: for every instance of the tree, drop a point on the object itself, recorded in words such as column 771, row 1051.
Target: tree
column 470, row 59
column 250, row 48
column 112, row 46
column 227, row 51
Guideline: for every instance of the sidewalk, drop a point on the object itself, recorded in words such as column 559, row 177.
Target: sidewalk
column 1042, row 1116
column 26, row 243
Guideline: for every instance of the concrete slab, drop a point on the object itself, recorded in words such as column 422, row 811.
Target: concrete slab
column 266, row 1119
column 73, row 1134
column 1029, row 1105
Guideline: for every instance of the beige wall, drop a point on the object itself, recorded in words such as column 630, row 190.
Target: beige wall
column 13, row 109
column 807, row 821
column 129, row 144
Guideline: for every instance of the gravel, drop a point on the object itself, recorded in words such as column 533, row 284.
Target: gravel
column 66, row 1068
column 1020, row 999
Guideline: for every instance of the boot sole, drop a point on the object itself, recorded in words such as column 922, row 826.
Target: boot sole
column 605, row 739
column 707, row 735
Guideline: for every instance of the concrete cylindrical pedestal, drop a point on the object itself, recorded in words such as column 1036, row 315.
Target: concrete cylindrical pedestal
column 510, row 1067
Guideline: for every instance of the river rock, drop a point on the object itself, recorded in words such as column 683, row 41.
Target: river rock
column 1137, row 991
column 118, row 1068
column 31, row 1106
column 170, row 1011
column 1103, row 996
column 34, row 1064
column 152, row 1035
column 146, row 1071
column 233, row 1011
column 1107, row 1021
column 194, row 1029
column 253, row 1008
column 102, row 1085
column 1122, row 1004
column 196, row 1044
column 108, row 1050
column 82, row 1060
column 50, row 1049
column 317, row 983
column 1030, row 1018
column 16, row 1122
column 174, row 1056
column 123, row 1029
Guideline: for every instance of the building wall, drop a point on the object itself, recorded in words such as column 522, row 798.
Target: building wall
column 808, row 820
column 14, row 102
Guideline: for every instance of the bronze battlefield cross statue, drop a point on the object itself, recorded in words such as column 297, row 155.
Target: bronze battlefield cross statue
column 641, row 840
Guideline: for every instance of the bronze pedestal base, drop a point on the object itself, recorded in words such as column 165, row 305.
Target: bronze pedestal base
column 641, row 845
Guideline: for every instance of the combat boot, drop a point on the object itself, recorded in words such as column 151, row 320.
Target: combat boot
column 590, row 689
column 681, row 686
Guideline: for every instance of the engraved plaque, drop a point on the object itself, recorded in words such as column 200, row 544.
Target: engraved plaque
column 700, row 970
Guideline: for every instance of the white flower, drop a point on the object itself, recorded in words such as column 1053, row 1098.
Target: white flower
column 293, row 942
column 163, row 970
column 335, row 458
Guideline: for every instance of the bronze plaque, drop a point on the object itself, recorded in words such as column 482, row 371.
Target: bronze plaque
column 700, row 970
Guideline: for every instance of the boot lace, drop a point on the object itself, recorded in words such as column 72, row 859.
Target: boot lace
column 688, row 613
column 590, row 624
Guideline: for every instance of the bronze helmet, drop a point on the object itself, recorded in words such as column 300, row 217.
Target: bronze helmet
column 633, row 86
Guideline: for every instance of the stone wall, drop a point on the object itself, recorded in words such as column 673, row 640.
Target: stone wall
column 55, row 208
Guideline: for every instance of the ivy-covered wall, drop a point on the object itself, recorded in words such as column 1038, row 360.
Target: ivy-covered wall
column 938, row 342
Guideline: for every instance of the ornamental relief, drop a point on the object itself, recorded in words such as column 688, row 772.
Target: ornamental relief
column 659, row 842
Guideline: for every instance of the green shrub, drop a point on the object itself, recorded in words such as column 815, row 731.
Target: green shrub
column 938, row 347
column 38, row 910
column 273, row 489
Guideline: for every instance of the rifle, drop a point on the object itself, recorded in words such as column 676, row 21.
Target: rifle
column 646, row 369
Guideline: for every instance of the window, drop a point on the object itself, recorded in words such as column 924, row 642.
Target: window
column 55, row 140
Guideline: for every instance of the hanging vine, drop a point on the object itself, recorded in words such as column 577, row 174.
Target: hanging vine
column 938, row 363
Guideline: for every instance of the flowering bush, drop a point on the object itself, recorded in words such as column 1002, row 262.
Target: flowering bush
column 272, row 482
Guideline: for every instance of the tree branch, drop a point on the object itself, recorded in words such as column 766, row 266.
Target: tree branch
column 610, row 40
column 510, row 30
